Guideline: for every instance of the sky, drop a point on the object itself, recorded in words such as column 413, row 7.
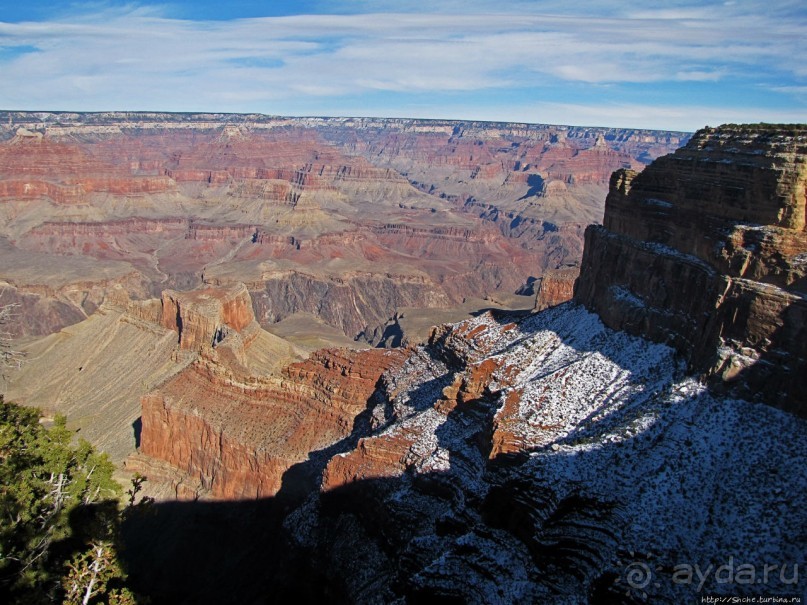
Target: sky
column 672, row 65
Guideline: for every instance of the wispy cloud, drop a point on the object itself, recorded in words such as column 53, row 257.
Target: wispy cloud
column 136, row 57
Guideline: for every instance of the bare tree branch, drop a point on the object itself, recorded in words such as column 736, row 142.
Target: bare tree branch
column 10, row 357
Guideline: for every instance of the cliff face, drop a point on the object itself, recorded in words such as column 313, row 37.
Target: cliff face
column 235, row 436
column 36, row 167
column 705, row 250
column 556, row 287
column 242, row 412
column 203, row 318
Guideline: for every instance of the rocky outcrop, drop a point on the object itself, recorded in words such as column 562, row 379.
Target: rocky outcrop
column 510, row 459
column 556, row 287
column 97, row 371
column 517, row 460
column 203, row 318
column 236, row 436
column 705, row 250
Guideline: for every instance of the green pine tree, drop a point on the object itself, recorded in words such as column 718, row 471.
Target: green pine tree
column 59, row 515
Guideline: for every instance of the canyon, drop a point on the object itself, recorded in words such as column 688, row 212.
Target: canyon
column 629, row 413
column 343, row 232
column 526, row 456
column 379, row 214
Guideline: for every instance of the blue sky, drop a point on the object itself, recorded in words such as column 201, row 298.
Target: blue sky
column 679, row 64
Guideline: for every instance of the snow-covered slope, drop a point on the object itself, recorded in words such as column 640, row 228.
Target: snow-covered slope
column 543, row 458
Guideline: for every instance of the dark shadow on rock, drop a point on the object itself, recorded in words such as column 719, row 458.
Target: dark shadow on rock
column 137, row 428
column 207, row 552
column 303, row 478
column 392, row 336
column 536, row 186
column 503, row 316
column 779, row 376
column 366, row 548
column 528, row 287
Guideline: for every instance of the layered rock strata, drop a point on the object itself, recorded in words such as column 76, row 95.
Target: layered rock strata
column 706, row 250
column 205, row 317
column 523, row 459
column 428, row 213
column 96, row 371
column 556, row 287
column 236, row 419
column 236, row 436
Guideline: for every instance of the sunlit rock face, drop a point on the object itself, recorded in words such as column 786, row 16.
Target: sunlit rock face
column 235, row 436
column 556, row 287
column 380, row 214
column 204, row 317
column 706, row 250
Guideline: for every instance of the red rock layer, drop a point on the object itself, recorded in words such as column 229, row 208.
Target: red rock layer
column 203, row 317
column 238, row 436
column 556, row 287
column 65, row 173
column 390, row 453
